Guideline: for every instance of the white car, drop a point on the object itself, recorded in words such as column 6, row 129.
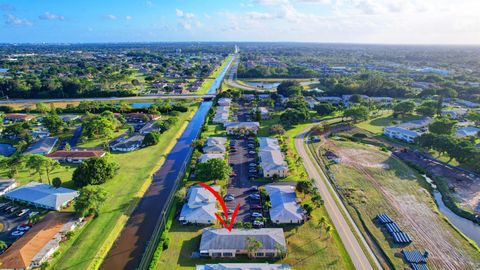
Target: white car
column 23, row 228
column 257, row 214
column 18, row 233
column 258, row 223
column 23, row 212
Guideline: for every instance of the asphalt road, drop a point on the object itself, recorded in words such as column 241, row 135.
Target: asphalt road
column 184, row 96
column 352, row 245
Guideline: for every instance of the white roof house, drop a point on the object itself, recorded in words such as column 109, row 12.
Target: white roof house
column 400, row 133
column 221, row 114
column 207, row 157
column 285, row 208
column 6, row 185
column 333, row 100
column 200, row 206
column 224, row 101
column 215, row 145
column 224, row 243
column 244, row 266
column 467, row 131
column 236, row 127
column 43, row 195
column 271, row 158
column 455, row 113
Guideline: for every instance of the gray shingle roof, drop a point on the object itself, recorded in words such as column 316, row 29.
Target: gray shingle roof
column 42, row 146
column 43, row 195
column 244, row 266
column 222, row 239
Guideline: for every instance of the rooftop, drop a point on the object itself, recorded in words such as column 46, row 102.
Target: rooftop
column 43, row 195
column 222, row 239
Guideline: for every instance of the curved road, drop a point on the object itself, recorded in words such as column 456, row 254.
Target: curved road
column 352, row 245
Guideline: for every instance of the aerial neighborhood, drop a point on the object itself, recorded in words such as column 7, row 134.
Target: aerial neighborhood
column 225, row 156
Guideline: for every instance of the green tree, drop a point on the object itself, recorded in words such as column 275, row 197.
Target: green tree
column 308, row 208
column 357, row 113
column 89, row 201
column 3, row 245
column 94, row 171
column 213, row 169
column 276, row 129
column 304, row 186
column 57, row 182
column 100, row 126
column 427, row 108
column 442, row 126
column 473, row 116
column 403, row 108
column 289, row 88
column 252, row 245
column 151, row 138
column 53, row 123
column 293, row 116
column 324, row 109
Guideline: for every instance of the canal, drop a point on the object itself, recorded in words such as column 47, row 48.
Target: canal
column 129, row 247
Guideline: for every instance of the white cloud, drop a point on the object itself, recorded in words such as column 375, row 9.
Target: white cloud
column 111, row 17
column 259, row 15
column 13, row 20
column 51, row 16
column 128, row 18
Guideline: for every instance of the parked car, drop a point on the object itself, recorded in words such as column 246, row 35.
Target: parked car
column 17, row 233
column 258, row 223
column 252, row 170
column 252, row 165
column 229, row 198
column 256, row 214
column 23, row 212
column 253, row 188
column 252, row 152
column 23, row 227
column 254, row 196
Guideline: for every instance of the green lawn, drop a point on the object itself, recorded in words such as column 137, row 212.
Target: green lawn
column 209, row 81
column 308, row 245
column 99, row 142
column 377, row 124
column 395, row 189
column 87, row 250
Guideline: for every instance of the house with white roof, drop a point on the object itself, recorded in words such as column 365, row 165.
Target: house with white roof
column 244, row 266
column 215, row 145
column 221, row 115
column 42, row 195
column 241, row 127
column 224, row 101
column 332, row 100
column 455, row 113
column 271, row 158
column 400, row 133
column 200, row 207
column 285, row 209
column 206, row 157
column 467, row 132
column 221, row 243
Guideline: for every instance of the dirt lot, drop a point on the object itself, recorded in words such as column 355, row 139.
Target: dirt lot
column 377, row 182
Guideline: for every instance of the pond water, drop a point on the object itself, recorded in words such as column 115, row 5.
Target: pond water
column 467, row 227
column 141, row 105
column 6, row 149
column 266, row 85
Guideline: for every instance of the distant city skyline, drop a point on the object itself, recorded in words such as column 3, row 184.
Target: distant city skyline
column 329, row 21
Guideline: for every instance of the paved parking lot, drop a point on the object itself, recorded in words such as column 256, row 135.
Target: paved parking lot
column 240, row 184
column 10, row 221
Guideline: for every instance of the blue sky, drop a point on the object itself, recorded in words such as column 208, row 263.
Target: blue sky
column 356, row 21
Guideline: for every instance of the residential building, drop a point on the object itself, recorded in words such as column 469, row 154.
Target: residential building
column 42, row 146
column 244, row 266
column 40, row 133
column 200, row 207
column 206, row 157
column 215, row 145
column 128, row 145
column 39, row 243
column 42, row 195
column 221, row 115
column 271, row 158
column 467, row 131
column 241, row 127
column 75, row 156
column 400, row 133
column 148, row 128
column 18, row 117
column 285, row 209
column 224, row 102
column 455, row 113
column 264, row 114
column 332, row 100
column 6, row 185
column 311, row 102
column 227, row 244
column 467, row 103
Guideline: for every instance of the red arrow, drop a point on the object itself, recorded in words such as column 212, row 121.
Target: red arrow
column 224, row 207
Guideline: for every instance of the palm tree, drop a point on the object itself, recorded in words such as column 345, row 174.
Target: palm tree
column 252, row 245
column 322, row 222
column 329, row 230
column 3, row 245
column 280, row 250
